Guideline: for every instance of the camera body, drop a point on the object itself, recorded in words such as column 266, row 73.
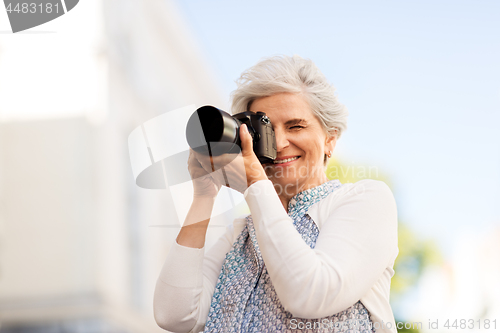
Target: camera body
column 215, row 132
column 262, row 132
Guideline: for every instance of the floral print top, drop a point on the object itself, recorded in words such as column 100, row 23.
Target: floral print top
column 244, row 299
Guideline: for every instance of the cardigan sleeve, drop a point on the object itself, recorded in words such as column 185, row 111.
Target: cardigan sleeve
column 186, row 284
column 354, row 247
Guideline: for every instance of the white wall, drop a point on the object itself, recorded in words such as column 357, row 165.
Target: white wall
column 75, row 230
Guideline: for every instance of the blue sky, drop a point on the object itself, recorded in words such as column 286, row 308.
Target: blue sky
column 421, row 80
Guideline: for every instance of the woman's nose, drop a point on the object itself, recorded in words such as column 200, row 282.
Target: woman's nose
column 281, row 140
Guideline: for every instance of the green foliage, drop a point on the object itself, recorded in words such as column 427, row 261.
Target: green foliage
column 352, row 173
column 415, row 254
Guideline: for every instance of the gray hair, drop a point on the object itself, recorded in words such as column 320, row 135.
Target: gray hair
column 284, row 74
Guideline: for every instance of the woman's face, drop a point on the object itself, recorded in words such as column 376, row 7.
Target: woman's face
column 301, row 143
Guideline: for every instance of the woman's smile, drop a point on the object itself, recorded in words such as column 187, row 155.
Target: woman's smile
column 285, row 161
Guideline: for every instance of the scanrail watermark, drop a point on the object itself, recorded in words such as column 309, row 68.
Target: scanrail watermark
column 26, row 14
column 352, row 324
column 462, row 324
column 483, row 324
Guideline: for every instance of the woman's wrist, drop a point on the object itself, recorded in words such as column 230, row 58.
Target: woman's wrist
column 257, row 179
column 200, row 210
column 194, row 229
column 204, row 198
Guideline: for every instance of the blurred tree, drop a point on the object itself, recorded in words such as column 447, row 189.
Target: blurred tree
column 415, row 253
column 352, row 173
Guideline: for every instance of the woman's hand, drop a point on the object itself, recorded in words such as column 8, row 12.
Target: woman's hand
column 204, row 185
column 234, row 171
column 239, row 171
column 253, row 167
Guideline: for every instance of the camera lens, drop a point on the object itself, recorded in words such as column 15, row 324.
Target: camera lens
column 212, row 131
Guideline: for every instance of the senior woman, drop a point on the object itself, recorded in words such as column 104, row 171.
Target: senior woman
column 314, row 255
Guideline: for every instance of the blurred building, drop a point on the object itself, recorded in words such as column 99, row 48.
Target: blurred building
column 81, row 245
column 464, row 288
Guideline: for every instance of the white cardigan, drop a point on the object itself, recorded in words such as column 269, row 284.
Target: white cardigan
column 353, row 259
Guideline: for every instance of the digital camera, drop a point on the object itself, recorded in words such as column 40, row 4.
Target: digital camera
column 214, row 132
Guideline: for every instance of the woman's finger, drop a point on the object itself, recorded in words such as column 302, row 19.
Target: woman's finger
column 246, row 141
column 253, row 168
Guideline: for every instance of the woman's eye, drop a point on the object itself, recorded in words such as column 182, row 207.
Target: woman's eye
column 296, row 127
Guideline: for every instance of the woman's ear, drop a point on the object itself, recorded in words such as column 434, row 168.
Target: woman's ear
column 330, row 142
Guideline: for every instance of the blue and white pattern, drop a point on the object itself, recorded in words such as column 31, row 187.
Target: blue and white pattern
column 244, row 299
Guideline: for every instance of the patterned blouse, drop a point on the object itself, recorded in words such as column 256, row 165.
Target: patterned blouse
column 244, row 299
